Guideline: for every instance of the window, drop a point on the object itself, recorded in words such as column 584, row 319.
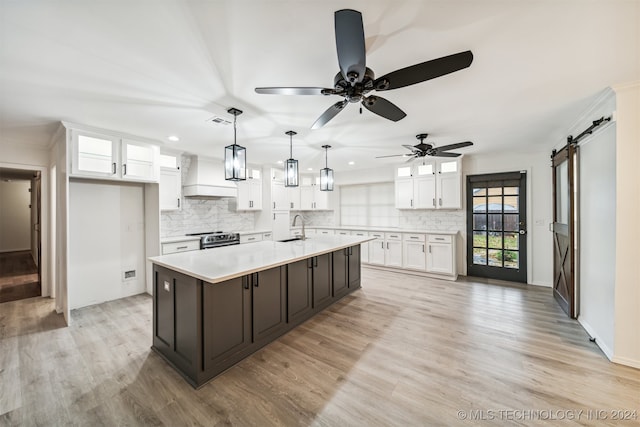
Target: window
column 368, row 205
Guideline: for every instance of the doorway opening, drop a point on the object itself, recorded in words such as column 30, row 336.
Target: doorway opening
column 496, row 226
column 20, row 239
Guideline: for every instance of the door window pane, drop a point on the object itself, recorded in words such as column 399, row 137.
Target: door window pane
column 480, row 239
column 495, row 240
column 479, row 204
column 495, row 191
column 511, row 240
column 494, row 222
column 511, row 190
column 511, row 222
column 479, row 256
column 495, row 257
column 495, row 204
column 562, row 193
column 511, row 204
column 511, row 259
column 479, row 191
column 479, row 222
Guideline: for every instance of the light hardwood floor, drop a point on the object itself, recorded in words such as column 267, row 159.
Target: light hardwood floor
column 403, row 351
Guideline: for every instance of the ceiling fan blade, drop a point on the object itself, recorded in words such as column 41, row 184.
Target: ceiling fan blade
column 454, row 146
column 383, row 108
column 350, row 44
column 410, row 147
column 329, row 114
column 293, row 90
column 424, row 71
column 394, row 155
column 444, row 154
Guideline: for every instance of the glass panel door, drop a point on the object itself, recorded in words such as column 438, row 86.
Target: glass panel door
column 496, row 224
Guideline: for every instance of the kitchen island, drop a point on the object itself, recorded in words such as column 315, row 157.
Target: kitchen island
column 212, row 308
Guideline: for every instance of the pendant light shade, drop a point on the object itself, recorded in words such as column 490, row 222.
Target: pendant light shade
column 291, row 165
column 235, row 156
column 326, row 174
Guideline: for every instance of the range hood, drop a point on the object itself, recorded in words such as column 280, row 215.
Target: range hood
column 206, row 179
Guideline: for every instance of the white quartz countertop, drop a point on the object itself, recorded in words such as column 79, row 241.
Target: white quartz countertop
column 219, row 264
column 382, row 229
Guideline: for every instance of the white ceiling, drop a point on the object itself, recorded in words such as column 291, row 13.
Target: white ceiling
column 163, row 67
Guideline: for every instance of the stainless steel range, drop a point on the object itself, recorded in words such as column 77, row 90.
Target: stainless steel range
column 215, row 239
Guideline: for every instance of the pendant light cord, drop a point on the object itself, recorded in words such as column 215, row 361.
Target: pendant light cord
column 326, row 161
column 291, row 146
column 235, row 117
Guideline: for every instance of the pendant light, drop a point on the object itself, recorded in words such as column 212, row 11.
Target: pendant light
column 235, row 156
column 326, row 174
column 291, row 165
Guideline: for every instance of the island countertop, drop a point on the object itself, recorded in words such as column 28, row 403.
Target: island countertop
column 220, row 264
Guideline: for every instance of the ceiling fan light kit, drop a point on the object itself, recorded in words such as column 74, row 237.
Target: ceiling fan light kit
column 355, row 80
column 291, row 174
column 235, row 156
column 326, row 174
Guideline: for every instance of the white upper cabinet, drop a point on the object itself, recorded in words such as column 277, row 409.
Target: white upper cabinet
column 250, row 191
column 311, row 198
column 170, row 182
column 104, row 156
column 293, row 194
column 432, row 184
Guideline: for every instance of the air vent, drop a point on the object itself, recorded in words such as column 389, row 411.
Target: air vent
column 218, row 121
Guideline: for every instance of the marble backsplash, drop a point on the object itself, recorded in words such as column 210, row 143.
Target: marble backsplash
column 431, row 220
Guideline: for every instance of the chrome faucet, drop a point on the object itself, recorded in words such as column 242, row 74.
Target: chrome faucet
column 294, row 224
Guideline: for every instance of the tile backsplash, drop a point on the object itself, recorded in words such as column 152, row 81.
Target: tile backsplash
column 204, row 214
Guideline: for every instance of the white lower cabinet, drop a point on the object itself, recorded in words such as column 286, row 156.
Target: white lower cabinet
column 182, row 246
column 376, row 249
column 413, row 254
column 364, row 247
column 440, row 255
column 393, row 249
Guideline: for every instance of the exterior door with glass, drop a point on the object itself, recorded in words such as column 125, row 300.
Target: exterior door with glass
column 496, row 226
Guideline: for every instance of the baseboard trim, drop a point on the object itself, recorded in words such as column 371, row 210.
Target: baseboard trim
column 627, row 362
column 412, row 272
column 599, row 342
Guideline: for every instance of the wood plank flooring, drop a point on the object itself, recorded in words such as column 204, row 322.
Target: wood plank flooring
column 403, row 351
column 18, row 276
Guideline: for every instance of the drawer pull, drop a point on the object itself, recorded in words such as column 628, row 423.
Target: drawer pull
column 251, row 238
column 181, row 247
column 413, row 237
column 439, row 238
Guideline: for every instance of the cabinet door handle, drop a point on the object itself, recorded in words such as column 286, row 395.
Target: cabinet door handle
column 422, row 248
column 124, row 169
column 434, row 202
column 113, row 168
column 382, row 245
column 309, row 262
column 350, row 251
column 245, row 282
column 387, row 245
column 255, row 282
column 274, row 205
column 178, row 201
column 315, row 259
column 440, row 201
column 429, row 248
column 274, row 217
column 291, row 205
column 411, row 202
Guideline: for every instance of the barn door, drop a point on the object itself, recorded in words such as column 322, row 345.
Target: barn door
column 564, row 283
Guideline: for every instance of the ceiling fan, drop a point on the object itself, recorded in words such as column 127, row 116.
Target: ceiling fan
column 355, row 80
column 423, row 149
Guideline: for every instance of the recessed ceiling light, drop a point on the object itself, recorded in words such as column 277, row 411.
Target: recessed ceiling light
column 280, row 162
column 352, row 163
column 309, row 169
column 173, row 138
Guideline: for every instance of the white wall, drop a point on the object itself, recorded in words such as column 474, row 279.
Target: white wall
column 106, row 238
column 627, row 288
column 15, row 216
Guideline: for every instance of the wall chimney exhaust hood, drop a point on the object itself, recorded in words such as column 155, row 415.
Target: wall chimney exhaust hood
column 205, row 178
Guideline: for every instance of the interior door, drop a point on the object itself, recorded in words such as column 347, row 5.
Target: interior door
column 497, row 226
column 564, row 283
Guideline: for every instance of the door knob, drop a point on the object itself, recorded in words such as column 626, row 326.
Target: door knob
column 523, row 231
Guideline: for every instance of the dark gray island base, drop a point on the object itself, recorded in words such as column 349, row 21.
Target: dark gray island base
column 202, row 328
